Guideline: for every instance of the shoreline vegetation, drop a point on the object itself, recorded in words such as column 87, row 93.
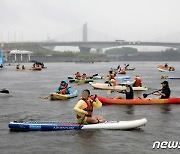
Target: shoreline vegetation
column 115, row 54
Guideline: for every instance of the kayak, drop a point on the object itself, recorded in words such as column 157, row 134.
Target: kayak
column 127, row 82
column 36, row 68
column 122, row 72
column 85, row 81
column 56, row 96
column 104, row 86
column 97, row 77
column 20, row 69
column 130, row 69
column 137, row 101
column 122, row 77
column 55, row 126
column 161, row 68
column 168, row 77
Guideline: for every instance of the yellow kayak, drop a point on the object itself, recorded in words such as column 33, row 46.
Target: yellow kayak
column 56, row 96
column 26, row 69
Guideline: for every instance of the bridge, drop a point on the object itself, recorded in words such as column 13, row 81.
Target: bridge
column 84, row 45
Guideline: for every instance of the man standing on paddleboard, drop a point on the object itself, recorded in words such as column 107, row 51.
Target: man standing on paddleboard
column 84, row 109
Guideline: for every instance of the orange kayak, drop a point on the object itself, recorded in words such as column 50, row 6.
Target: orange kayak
column 162, row 68
column 138, row 101
column 37, row 68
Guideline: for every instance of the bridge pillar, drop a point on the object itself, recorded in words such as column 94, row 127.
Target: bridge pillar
column 84, row 49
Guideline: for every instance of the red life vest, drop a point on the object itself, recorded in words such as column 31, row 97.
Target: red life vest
column 89, row 108
column 138, row 82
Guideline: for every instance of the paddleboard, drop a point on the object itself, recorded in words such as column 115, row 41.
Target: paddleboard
column 55, row 126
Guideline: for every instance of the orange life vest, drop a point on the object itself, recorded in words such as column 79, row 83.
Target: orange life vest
column 63, row 90
column 89, row 108
column 138, row 82
column 112, row 76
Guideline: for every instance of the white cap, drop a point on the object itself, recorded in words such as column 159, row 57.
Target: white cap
column 128, row 83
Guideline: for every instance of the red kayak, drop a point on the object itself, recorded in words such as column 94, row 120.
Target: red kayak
column 138, row 101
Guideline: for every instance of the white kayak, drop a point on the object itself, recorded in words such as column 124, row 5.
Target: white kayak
column 55, row 126
column 104, row 86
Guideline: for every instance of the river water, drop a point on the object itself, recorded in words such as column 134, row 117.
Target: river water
column 23, row 103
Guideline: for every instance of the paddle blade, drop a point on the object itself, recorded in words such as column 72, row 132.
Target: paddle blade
column 4, row 91
column 72, row 81
column 145, row 95
column 95, row 74
column 69, row 77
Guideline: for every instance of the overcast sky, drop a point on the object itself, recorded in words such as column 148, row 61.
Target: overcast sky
column 123, row 19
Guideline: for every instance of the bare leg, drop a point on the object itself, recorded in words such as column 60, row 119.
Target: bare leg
column 95, row 119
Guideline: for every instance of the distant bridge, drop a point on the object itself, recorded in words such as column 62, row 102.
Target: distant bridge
column 84, row 45
column 87, row 46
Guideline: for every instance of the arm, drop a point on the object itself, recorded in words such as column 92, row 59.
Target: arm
column 79, row 106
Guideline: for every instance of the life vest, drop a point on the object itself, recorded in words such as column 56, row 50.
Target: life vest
column 89, row 108
column 78, row 75
column 83, row 77
column 112, row 76
column 138, row 82
column 63, row 89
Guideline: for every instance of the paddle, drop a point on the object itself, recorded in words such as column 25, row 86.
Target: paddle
column 4, row 91
column 69, row 77
column 85, row 114
column 145, row 95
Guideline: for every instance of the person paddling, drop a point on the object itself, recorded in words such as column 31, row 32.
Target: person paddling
column 23, row 67
column 84, row 109
column 84, row 76
column 137, row 81
column 165, row 92
column 63, row 88
column 77, row 75
column 129, row 92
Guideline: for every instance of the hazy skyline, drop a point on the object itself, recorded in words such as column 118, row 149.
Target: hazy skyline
column 123, row 19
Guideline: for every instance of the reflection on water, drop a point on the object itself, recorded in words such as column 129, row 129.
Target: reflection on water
column 165, row 108
column 130, row 109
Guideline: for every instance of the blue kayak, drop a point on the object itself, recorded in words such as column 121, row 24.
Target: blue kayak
column 122, row 77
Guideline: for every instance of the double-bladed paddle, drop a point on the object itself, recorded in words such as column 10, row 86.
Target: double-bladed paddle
column 145, row 95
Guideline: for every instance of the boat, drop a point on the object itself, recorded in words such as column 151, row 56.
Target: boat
column 104, row 86
column 124, row 77
column 85, row 81
column 161, row 68
column 137, row 101
column 56, row 96
column 127, row 82
column 20, row 69
column 130, row 69
column 55, row 126
column 98, row 77
column 169, row 77
column 37, row 68
column 122, row 72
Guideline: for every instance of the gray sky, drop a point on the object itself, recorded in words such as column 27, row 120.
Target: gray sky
column 124, row 19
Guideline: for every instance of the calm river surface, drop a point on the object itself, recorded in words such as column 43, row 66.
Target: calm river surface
column 23, row 103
